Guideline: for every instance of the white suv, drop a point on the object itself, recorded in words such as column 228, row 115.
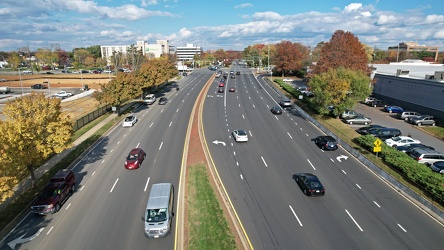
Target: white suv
column 149, row 99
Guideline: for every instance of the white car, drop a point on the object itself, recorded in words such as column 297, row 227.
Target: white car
column 287, row 80
column 63, row 94
column 240, row 135
column 400, row 141
column 129, row 121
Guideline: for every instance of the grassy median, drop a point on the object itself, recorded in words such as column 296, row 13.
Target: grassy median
column 208, row 228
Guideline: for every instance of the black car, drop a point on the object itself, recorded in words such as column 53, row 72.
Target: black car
column 220, row 90
column 385, row 133
column 408, row 148
column 366, row 130
column 163, row 101
column 276, row 110
column 237, row 72
column 326, row 142
column 38, row 86
column 377, row 103
column 309, row 184
column 184, row 73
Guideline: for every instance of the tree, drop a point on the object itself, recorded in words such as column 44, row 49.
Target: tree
column 8, row 177
column 220, row 55
column 80, row 55
column 135, row 57
column 155, row 72
column 343, row 50
column 14, row 60
column 288, row 57
column 118, row 90
column 94, row 51
column 339, row 87
column 36, row 129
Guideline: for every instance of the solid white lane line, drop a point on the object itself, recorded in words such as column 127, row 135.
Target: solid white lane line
column 297, row 218
column 68, row 206
column 146, row 185
column 289, row 135
column 311, row 164
column 358, row 186
column 160, row 147
column 402, row 228
column 49, row 230
column 264, row 161
column 376, row 203
column 114, row 185
column 353, row 219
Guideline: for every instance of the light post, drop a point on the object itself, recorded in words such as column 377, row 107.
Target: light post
column 49, row 87
column 81, row 77
column 21, row 82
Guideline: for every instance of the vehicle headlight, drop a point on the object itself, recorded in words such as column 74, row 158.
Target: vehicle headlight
column 50, row 206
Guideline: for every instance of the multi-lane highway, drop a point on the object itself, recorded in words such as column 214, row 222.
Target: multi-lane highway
column 106, row 211
column 359, row 211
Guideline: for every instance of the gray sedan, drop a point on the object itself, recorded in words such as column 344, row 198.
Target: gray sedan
column 359, row 120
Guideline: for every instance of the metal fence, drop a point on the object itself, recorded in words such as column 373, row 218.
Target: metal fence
column 91, row 117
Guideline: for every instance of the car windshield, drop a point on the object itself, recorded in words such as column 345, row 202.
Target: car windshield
column 315, row 184
column 241, row 132
column 132, row 156
column 396, row 138
column 129, row 118
column 156, row 215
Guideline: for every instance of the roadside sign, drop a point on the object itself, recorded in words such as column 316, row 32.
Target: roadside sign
column 377, row 149
column 377, row 143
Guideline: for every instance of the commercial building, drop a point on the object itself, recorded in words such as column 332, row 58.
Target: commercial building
column 148, row 49
column 415, row 47
column 188, row 52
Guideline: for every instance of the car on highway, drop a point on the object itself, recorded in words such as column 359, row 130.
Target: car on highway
column 422, row 120
column 408, row 148
column 385, row 133
column 437, row 167
column 405, row 115
column 232, row 76
column 135, row 158
column 220, row 90
column 240, row 135
column 309, row 184
column 129, row 121
column 366, row 130
column 39, row 86
column 393, row 109
column 218, row 75
column 237, row 72
column 63, row 94
column 232, row 89
column 400, row 141
column 358, row 120
column 326, row 142
column 285, row 103
column 276, row 110
column 163, row 101
column 221, row 84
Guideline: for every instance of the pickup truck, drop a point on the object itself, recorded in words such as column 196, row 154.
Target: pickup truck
column 55, row 193
column 63, row 94
column 5, row 90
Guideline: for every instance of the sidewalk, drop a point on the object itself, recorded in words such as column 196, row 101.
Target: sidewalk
column 39, row 172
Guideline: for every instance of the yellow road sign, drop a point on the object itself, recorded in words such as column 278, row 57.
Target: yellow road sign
column 377, row 143
column 377, row 149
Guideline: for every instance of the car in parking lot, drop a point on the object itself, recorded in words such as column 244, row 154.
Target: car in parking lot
column 309, row 184
column 129, row 121
column 163, row 101
column 285, row 103
column 369, row 100
column 134, row 158
column 437, row 166
column 423, row 120
column 377, row 103
column 393, row 109
column 358, row 120
column 276, row 110
column 408, row 148
column 349, row 114
column 405, row 115
column 385, row 133
column 240, row 135
column 287, row 80
column 400, row 141
column 366, row 130
column 326, row 142
column 426, row 156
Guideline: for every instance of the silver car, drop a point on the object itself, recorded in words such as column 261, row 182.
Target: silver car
column 359, row 120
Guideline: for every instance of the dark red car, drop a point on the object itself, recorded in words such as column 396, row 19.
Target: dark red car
column 135, row 158
column 221, row 84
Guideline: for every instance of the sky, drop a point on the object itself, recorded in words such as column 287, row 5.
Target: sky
column 216, row 24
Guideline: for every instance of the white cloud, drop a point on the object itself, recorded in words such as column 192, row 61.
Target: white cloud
column 353, row 7
column 386, row 19
column 244, row 5
column 268, row 15
column 184, row 32
column 439, row 34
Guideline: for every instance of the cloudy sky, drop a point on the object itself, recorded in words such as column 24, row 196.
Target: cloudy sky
column 216, row 24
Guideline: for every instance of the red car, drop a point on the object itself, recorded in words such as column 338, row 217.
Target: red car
column 232, row 90
column 135, row 158
column 221, row 84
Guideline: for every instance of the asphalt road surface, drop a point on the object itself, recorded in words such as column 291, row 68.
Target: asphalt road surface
column 359, row 211
column 106, row 211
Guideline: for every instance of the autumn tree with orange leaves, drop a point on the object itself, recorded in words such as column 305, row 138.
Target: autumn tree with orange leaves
column 288, row 57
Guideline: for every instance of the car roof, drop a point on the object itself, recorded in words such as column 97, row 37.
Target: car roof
column 135, row 151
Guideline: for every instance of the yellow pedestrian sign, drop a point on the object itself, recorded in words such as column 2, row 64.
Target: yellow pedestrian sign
column 377, row 143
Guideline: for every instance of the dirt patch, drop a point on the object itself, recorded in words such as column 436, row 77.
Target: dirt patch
column 57, row 81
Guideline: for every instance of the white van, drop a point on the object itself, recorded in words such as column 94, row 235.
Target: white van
column 149, row 99
column 159, row 210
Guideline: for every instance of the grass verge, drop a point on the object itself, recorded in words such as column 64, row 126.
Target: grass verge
column 206, row 221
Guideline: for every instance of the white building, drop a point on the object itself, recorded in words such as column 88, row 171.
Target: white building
column 188, row 52
column 148, row 49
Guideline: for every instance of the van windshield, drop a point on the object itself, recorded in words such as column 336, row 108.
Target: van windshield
column 156, row 215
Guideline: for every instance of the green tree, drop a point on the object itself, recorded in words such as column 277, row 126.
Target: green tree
column 155, row 72
column 343, row 50
column 14, row 60
column 37, row 129
column 94, row 51
column 8, row 172
column 135, row 57
column 341, row 87
column 288, row 57
column 118, row 90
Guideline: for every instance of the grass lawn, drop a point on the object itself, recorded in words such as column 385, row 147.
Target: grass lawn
column 208, row 228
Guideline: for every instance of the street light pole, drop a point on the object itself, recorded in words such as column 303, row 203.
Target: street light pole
column 21, row 82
